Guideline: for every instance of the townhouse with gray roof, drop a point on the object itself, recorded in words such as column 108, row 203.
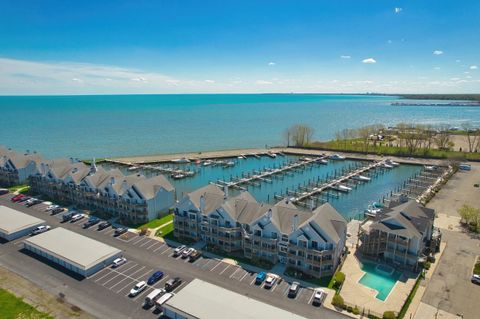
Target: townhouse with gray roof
column 133, row 198
column 402, row 235
column 17, row 167
column 312, row 242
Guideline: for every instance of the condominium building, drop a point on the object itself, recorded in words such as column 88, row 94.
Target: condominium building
column 133, row 198
column 16, row 167
column 311, row 242
column 402, row 235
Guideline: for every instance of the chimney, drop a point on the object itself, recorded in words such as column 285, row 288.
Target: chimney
column 202, row 204
column 269, row 215
column 112, row 180
column 225, row 191
column 294, row 223
column 93, row 166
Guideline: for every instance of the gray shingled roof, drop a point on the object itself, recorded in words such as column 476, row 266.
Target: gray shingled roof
column 330, row 221
column 148, row 187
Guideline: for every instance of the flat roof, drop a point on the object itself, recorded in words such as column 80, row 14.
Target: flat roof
column 203, row 300
column 12, row 220
column 76, row 249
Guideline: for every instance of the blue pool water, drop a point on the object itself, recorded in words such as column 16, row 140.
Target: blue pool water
column 124, row 125
column 380, row 281
column 350, row 205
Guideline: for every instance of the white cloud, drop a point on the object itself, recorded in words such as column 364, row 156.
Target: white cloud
column 438, row 52
column 458, row 61
column 263, row 82
column 77, row 80
column 209, row 81
column 473, row 67
column 345, row 57
column 389, row 41
column 139, row 79
column 271, row 64
column 369, row 61
column 454, row 79
column 398, row 10
column 436, row 68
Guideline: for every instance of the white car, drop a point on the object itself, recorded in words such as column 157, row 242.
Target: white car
column 51, row 207
column 177, row 251
column 187, row 252
column 77, row 217
column 476, row 279
column 40, row 229
column 270, row 281
column 318, row 297
column 138, row 288
column 118, row 262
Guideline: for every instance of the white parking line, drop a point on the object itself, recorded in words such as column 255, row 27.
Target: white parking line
column 139, row 278
column 159, row 247
column 286, row 291
column 104, row 276
column 205, row 264
column 234, row 272
column 106, row 282
column 131, row 275
column 147, row 242
column 166, row 250
column 99, row 272
column 139, row 239
column 216, row 266
column 129, row 284
column 311, row 298
column 155, row 243
column 246, row 273
column 125, row 278
column 273, row 288
column 253, row 281
column 228, row 266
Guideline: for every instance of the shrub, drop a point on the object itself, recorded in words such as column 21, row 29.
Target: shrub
column 356, row 311
column 337, row 301
column 389, row 315
column 427, row 265
column 349, row 308
column 339, row 279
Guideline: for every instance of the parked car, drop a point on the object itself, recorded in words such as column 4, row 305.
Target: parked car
column 3, row 191
column 476, row 279
column 318, row 297
column 172, row 284
column 187, row 252
column 23, row 199
column 194, row 256
column 270, row 281
column 91, row 221
column 76, row 217
column 118, row 262
column 57, row 210
column 156, row 276
column 119, row 231
column 138, row 288
column 33, row 201
column 260, row 278
column 17, row 198
column 103, row 225
column 163, row 299
column 40, row 229
column 177, row 251
column 293, row 290
column 49, row 208
column 152, row 297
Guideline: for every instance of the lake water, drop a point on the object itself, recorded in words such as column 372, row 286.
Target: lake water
column 123, row 125
column 350, row 205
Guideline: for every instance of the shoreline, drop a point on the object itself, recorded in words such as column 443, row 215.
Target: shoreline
column 164, row 158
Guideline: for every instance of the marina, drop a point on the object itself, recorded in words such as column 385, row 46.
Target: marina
column 308, row 179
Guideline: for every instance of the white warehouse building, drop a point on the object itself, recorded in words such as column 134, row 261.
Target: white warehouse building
column 15, row 224
column 75, row 252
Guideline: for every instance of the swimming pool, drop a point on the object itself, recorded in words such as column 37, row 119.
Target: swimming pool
column 381, row 281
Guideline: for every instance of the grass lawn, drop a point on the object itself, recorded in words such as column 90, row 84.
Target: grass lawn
column 12, row 307
column 476, row 269
column 19, row 188
column 165, row 230
column 157, row 222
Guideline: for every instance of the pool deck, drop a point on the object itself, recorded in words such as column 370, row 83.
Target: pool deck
column 364, row 297
column 131, row 160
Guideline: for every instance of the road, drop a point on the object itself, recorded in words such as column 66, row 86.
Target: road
column 104, row 294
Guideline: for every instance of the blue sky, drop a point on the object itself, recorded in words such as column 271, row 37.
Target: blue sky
column 95, row 47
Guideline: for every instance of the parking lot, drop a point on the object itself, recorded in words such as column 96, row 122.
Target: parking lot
column 120, row 280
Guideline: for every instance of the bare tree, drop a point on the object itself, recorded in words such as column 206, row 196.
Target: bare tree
column 442, row 138
column 301, row 134
column 287, row 135
column 472, row 135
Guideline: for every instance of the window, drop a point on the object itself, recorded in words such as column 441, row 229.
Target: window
column 302, row 243
column 258, row 232
column 314, row 244
column 284, row 237
column 274, row 235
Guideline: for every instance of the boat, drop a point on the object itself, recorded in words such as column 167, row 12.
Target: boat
column 177, row 176
column 372, row 211
column 337, row 157
column 198, row 161
column 189, row 173
column 361, row 178
column 132, row 168
column 346, row 188
column 431, row 167
column 272, row 155
column 305, row 159
column 323, row 161
column 229, row 164
column 207, row 163
column 392, row 163
column 242, row 156
column 341, row 188
column 181, row 160
column 385, row 165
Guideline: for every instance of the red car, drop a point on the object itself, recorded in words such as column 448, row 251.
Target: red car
column 18, row 197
